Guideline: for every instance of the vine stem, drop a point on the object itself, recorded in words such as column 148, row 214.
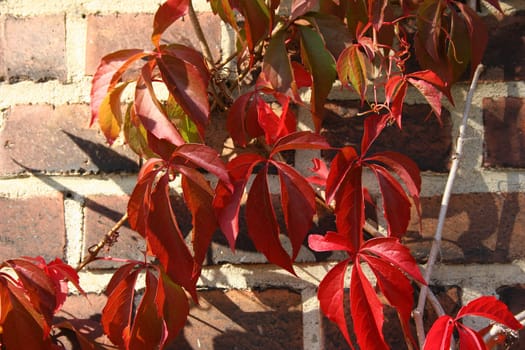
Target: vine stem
column 109, row 238
column 436, row 244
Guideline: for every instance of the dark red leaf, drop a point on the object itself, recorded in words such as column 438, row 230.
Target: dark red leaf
column 331, row 293
column 165, row 239
column 343, row 163
column 150, row 111
column 298, row 204
column 108, row 74
column 439, row 336
column 239, row 113
column 491, row 308
column 367, row 311
column 396, row 205
column 259, row 210
column 116, row 315
column 301, row 75
column 396, row 90
column 391, row 250
column 376, row 12
column 257, row 21
column 147, row 331
column 172, row 304
column 83, row 341
column 198, row 196
column 168, row 13
column 188, row 84
column 199, row 156
column 374, row 125
column 300, row 140
column 321, row 65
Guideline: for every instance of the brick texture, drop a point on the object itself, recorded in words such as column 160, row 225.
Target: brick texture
column 110, row 33
column 480, row 228
column 270, row 319
column 34, row 48
column 422, row 139
column 504, row 121
column 32, row 226
column 505, row 55
column 48, row 139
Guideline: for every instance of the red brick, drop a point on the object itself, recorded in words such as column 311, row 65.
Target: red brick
column 422, row 139
column 32, row 227
column 480, row 228
column 42, row 138
column 106, row 34
column 449, row 297
column 504, row 121
column 35, row 47
column 514, row 297
column 505, row 55
column 270, row 319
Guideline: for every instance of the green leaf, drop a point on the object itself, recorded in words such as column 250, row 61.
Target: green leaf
column 136, row 135
column 321, row 64
column 352, row 69
column 187, row 128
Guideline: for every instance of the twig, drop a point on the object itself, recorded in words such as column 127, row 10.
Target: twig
column 109, row 238
column 497, row 331
column 436, row 244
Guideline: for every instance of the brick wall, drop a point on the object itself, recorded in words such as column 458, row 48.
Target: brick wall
column 62, row 188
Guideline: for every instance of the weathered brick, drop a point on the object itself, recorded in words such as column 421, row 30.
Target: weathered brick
column 449, row 297
column 45, row 139
column 101, row 214
column 109, row 33
column 270, row 319
column 479, row 228
column 422, row 139
column 35, row 47
column 505, row 54
column 84, row 313
column 514, row 297
column 504, row 121
column 32, row 227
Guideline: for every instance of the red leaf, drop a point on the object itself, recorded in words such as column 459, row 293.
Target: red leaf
column 329, row 242
column 108, row 74
column 274, row 126
column 83, row 341
column 227, row 202
column 61, row 273
column 491, row 308
column 151, row 113
column 331, row 297
column 262, row 222
column 469, row 339
column 200, row 156
column 257, row 21
column 165, row 239
column 396, row 90
column 438, row 338
column 188, row 84
column 38, row 287
column 147, row 330
column 342, row 164
column 110, row 114
column 396, row 287
column 116, row 315
column 432, row 78
column 376, row 12
column 391, row 250
column 301, row 75
column 300, row 140
column 198, row 196
column 168, row 13
column 172, row 304
column 298, row 204
column 396, row 205
column 374, row 125
column 242, row 110
column 367, row 311
column 321, row 65
column 349, row 206
column 321, row 172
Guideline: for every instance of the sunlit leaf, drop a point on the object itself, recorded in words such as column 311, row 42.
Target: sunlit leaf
column 168, row 13
column 110, row 114
column 352, row 69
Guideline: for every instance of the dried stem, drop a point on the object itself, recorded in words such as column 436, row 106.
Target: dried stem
column 498, row 331
column 109, row 238
column 436, row 244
